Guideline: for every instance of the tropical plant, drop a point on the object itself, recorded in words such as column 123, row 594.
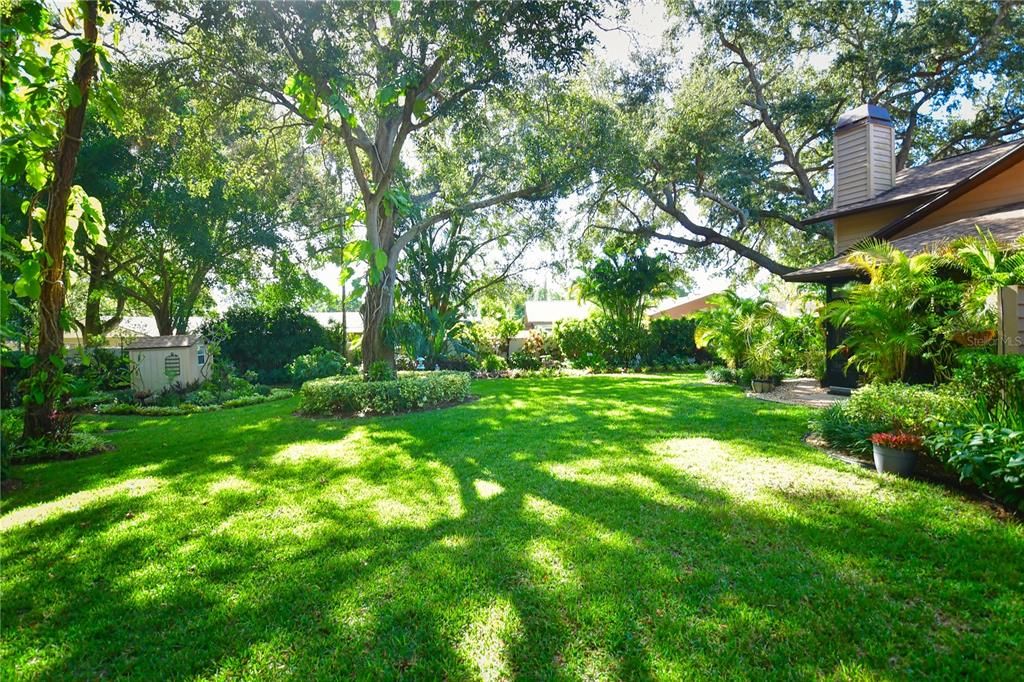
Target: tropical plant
column 895, row 314
column 733, row 324
column 623, row 284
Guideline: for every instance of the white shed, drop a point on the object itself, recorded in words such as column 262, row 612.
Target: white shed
column 161, row 361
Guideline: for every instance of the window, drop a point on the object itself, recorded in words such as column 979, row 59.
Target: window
column 202, row 355
column 172, row 365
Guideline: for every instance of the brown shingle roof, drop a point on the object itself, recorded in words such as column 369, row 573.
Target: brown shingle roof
column 927, row 181
column 177, row 341
column 1006, row 225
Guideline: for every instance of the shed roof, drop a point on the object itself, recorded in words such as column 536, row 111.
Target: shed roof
column 929, row 180
column 1006, row 224
column 176, row 341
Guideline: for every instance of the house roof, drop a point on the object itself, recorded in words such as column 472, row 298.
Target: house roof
column 930, row 180
column 176, row 341
column 680, row 306
column 553, row 311
column 1006, row 224
column 145, row 325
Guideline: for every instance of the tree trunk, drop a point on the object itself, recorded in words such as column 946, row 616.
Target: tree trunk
column 39, row 417
column 377, row 309
column 379, row 304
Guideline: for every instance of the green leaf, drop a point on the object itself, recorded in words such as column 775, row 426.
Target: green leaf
column 36, row 173
column 419, row 108
column 396, row 7
column 380, row 259
column 27, row 361
column 74, row 95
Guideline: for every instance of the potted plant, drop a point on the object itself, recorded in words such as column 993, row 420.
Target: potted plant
column 895, row 452
column 762, row 361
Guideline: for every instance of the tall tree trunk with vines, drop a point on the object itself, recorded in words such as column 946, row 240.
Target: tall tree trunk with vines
column 48, row 367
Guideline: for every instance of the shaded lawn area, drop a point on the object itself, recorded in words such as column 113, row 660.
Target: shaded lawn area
column 595, row 527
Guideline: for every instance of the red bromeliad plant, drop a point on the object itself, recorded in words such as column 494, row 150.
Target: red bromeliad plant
column 897, row 440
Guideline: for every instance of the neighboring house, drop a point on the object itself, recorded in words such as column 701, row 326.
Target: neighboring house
column 160, row 361
column 917, row 209
column 130, row 327
column 542, row 315
column 681, row 307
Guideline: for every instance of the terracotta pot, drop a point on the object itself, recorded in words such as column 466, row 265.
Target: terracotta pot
column 893, row 461
column 975, row 339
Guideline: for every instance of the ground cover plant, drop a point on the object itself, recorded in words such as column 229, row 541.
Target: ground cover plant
column 579, row 527
column 382, row 393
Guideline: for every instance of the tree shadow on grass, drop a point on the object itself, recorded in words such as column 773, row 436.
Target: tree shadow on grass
column 541, row 535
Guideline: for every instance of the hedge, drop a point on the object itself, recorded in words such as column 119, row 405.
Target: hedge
column 190, row 408
column 354, row 395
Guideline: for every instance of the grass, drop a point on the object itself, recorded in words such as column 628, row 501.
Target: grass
column 595, row 527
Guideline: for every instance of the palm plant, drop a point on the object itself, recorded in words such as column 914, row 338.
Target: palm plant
column 733, row 324
column 991, row 265
column 889, row 318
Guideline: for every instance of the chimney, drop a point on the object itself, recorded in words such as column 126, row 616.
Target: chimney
column 865, row 163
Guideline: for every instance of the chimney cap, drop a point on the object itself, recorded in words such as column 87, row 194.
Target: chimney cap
column 865, row 112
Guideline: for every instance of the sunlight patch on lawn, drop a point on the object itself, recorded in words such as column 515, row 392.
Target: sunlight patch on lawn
column 420, row 494
column 746, row 475
column 549, row 564
column 607, row 473
column 347, row 451
column 485, row 490
column 133, row 487
column 231, row 483
column 485, row 642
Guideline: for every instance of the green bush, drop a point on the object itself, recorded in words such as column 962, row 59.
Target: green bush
column 837, row 428
column 721, row 375
column 380, row 371
column 670, row 338
column 195, row 404
column 266, row 341
column 354, row 395
column 576, row 339
column 493, row 363
column 318, row 363
column 989, row 455
column 997, row 381
column 524, row 360
column 904, row 407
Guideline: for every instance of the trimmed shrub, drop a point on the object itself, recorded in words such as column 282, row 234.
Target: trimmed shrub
column 903, row 407
column 192, row 407
column 354, row 395
column 493, row 363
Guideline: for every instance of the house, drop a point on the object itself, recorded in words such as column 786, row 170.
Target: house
column 681, row 307
column 161, row 361
column 542, row 315
column 917, row 209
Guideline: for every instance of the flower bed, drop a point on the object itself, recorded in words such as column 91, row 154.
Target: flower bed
column 348, row 395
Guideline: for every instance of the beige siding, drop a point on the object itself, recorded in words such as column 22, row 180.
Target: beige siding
column 864, row 163
column 852, row 229
column 1002, row 190
column 1012, row 326
column 148, row 372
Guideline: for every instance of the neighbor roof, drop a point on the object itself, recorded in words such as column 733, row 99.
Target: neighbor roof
column 353, row 320
column 930, row 180
column 1006, row 225
column 176, row 341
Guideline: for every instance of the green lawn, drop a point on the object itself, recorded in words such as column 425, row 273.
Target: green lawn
column 596, row 527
